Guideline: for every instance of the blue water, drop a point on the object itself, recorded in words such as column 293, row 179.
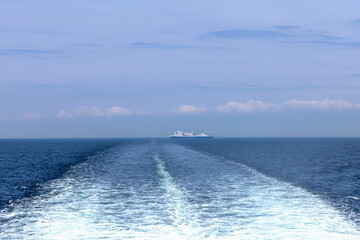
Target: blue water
column 180, row 189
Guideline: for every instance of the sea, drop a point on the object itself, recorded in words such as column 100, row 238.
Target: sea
column 230, row 188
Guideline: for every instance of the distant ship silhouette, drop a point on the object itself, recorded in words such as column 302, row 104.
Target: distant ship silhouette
column 180, row 134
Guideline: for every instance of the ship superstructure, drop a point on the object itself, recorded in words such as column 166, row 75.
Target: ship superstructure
column 181, row 134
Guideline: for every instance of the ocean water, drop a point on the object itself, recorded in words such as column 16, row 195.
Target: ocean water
column 180, row 189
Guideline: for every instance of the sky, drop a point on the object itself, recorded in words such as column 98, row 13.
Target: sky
column 143, row 68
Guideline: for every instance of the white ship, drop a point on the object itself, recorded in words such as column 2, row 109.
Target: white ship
column 180, row 134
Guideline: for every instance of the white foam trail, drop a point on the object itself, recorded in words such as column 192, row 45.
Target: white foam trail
column 247, row 204
column 81, row 206
column 217, row 200
column 178, row 207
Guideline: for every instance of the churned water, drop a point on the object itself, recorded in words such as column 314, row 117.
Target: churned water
column 187, row 189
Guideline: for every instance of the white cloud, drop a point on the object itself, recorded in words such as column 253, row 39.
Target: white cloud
column 31, row 116
column 94, row 112
column 116, row 110
column 188, row 109
column 142, row 113
column 322, row 105
column 251, row 106
column 64, row 114
column 88, row 111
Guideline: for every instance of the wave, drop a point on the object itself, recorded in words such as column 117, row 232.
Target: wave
column 179, row 209
column 243, row 202
column 166, row 191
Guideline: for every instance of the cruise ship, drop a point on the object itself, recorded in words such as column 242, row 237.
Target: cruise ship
column 180, row 134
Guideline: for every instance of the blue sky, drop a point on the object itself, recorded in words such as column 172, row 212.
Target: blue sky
column 147, row 68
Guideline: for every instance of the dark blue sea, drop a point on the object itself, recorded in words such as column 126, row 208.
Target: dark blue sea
column 241, row 188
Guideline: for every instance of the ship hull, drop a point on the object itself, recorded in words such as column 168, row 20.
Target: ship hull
column 191, row 136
